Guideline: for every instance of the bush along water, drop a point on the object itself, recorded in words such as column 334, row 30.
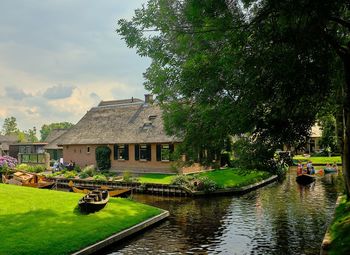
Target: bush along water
column 195, row 183
column 103, row 157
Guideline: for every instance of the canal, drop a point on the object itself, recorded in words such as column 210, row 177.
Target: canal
column 281, row 218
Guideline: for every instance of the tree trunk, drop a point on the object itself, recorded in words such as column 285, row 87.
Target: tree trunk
column 346, row 124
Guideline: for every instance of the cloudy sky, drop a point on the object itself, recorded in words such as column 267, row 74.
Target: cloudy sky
column 58, row 58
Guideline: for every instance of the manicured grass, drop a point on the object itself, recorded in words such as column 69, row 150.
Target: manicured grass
column 34, row 221
column 319, row 160
column 234, row 177
column 156, row 178
column 340, row 229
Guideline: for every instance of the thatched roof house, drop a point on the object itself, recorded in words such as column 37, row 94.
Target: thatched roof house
column 132, row 128
column 53, row 139
column 5, row 142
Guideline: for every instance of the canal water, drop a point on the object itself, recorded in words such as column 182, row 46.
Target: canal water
column 281, row 218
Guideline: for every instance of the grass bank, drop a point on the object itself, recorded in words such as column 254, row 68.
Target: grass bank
column 318, row 160
column 34, row 221
column 156, row 178
column 340, row 229
column 234, row 177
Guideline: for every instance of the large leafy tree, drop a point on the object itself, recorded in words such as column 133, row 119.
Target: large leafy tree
column 229, row 67
column 47, row 128
column 9, row 126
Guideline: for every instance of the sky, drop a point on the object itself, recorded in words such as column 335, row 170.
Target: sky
column 59, row 58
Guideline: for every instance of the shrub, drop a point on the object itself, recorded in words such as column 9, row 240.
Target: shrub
column 7, row 162
column 127, row 176
column 36, row 169
column 70, row 174
column 207, row 185
column 83, row 175
column 77, row 169
column 103, row 157
column 100, row 177
column 90, row 170
column 195, row 182
column 22, row 167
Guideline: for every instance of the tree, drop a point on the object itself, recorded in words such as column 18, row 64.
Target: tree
column 267, row 67
column 10, row 126
column 31, row 135
column 47, row 128
column 329, row 135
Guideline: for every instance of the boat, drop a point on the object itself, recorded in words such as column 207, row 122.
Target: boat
column 330, row 170
column 305, row 179
column 22, row 178
column 94, row 201
column 112, row 192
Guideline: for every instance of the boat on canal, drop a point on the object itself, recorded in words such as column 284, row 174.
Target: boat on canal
column 305, row 179
column 94, row 201
column 330, row 170
column 112, row 192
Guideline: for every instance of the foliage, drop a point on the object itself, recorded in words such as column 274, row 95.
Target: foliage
column 319, row 160
column 31, row 135
column 83, row 175
column 103, row 157
column 89, row 170
column 339, row 229
column 329, row 136
column 22, row 167
column 36, row 168
column 55, row 211
column 47, row 128
column 127, row 176
column 265, row 68
column 7, row 161
column 70, row 174
column 77, row 168
column 10, row 126
column 100, row 177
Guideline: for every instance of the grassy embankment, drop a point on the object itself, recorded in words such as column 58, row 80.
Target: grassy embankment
column 34, row 221
column 318, row 160
column 226, row 178
column 340, row 229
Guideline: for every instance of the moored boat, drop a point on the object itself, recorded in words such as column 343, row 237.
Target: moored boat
column 94, row 201
column 305, row 179
column 112, row 192
column 330, row 170
column 22, row 178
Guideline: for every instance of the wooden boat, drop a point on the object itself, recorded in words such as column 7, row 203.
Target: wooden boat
column 112, row 192
column 330, row 170
column 305, row 179
column 22, row 178
column 94, row 201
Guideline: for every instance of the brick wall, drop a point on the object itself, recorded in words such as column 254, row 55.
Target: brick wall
column 80, row 155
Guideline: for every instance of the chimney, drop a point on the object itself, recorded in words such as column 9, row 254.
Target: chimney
column 148, row 98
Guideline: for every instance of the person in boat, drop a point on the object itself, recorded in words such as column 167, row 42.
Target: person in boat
column 328, row 166
column 71, row 165
column 312, row 171
column 299, row 168
column 335, row 167
column 308, row 167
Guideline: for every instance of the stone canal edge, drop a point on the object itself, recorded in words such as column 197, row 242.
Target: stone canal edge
column 327, row 237
column 123, row 234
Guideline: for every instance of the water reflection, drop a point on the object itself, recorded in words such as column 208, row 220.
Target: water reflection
column 282, row 218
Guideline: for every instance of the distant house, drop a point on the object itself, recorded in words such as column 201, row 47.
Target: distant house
column 132, row 129
column 5, row 142
column 52, row 140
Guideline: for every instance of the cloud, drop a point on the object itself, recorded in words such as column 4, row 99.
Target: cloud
column 15, row 93
column 59, row 92
column 95, row 98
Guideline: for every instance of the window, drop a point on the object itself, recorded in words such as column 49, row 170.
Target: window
column 143, row 152
column 165, row 152
column 88, row 149
column 121, row 152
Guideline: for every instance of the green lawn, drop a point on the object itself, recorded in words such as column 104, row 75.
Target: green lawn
column 319, row 160
column 34, row 221
column 156, row 178
column 340, row 229
column 234, row 177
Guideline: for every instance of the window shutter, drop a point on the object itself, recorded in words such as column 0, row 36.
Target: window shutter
column 149, row 152
column 171, row 150
column 126, row 151
column 115, row 151
column 159, row 152
column 137, row 152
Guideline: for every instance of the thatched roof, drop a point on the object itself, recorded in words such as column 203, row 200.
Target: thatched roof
column 6, row 140
column 130, row 121
column 53, row 139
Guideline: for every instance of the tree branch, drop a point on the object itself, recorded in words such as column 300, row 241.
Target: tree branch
column 340, row 21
